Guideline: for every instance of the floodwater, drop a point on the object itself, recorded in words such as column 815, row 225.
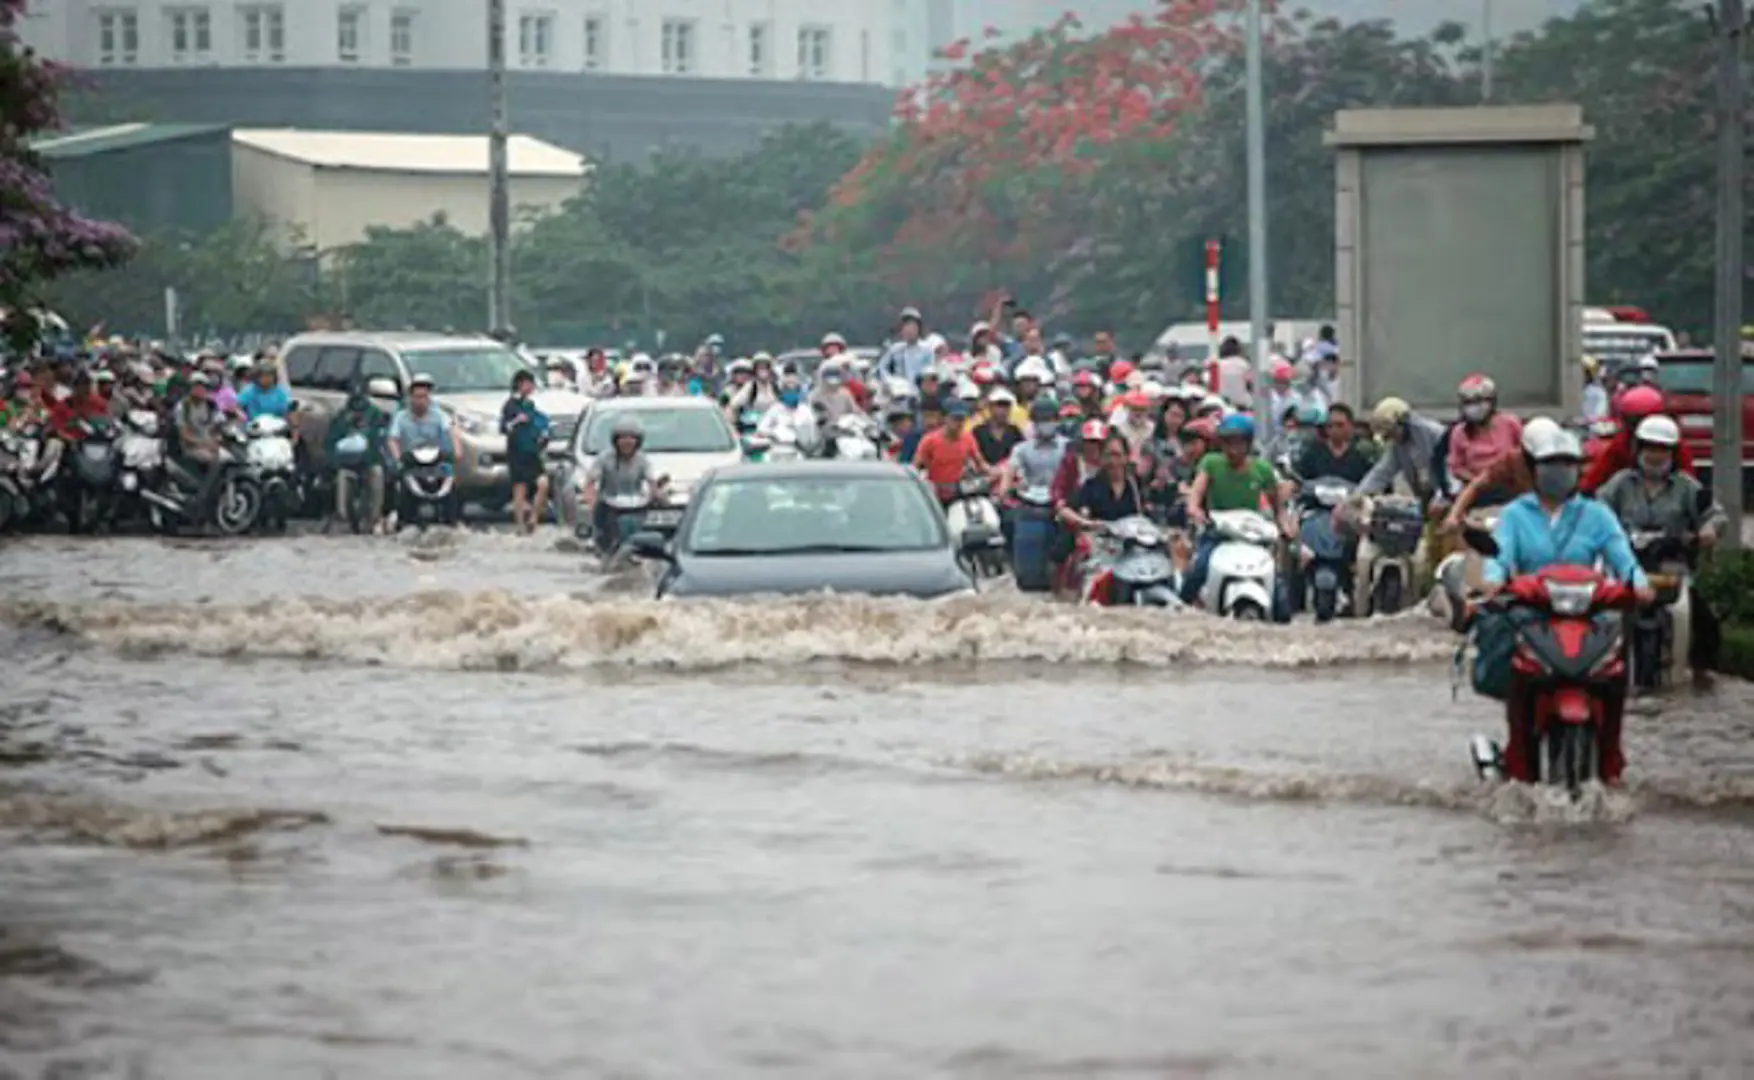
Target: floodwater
column 454, row 807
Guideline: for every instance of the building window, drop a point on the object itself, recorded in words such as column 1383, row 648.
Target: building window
column 677, row 52
column 401, row 38
column 815, row 52
column 191, row 35
column 350, row 35
column 118, row 38
column 760, row 50
column 264, row 34
column 596, row 42
column 535, row 40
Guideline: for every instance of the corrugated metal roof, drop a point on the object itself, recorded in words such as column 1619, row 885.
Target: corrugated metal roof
column 525, row 156
column 99, row 140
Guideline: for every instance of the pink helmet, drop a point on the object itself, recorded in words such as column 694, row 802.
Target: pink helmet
column 1638, row 402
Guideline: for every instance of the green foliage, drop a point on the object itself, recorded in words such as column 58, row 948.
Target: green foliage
column 1727, row 584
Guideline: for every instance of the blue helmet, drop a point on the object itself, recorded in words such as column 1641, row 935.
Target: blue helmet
column 1236, row 426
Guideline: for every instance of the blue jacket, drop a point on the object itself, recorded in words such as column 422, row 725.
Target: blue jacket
column 274, row 401
column 1584, row 532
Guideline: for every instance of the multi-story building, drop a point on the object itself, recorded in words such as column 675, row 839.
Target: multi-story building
column 844, row 41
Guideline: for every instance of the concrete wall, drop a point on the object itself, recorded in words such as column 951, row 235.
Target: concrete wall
column 331, row 208
column 614, row 118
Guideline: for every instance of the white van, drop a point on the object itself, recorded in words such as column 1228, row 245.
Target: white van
column 1193, row 342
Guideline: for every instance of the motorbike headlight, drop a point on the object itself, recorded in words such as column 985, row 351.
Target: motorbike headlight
column 473, row 423
column 1570, row 600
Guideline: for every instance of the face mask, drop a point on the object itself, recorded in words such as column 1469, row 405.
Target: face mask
column 790, row 398
column 1655, row 465
column 1555, row 479
column 1475, row 412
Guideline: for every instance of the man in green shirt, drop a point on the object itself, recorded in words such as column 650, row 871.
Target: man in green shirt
column 1231, row 479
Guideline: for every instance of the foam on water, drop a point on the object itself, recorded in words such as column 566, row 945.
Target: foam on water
column 498, row 630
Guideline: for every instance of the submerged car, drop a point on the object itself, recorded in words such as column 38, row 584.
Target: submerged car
column 869, row 527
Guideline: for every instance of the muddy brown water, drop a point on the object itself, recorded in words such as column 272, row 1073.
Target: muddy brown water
column 455, row 807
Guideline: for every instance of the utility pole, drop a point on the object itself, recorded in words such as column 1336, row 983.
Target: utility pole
column 1486, row 50
column 499, row 306
column 1730, row 24
column 1257, row 193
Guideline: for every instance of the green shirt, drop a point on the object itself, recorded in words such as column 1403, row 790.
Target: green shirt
column 1236, row 489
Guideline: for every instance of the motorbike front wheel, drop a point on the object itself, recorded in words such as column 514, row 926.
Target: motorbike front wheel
column 237, row 506
column 1572, row 758
column 1387, row 597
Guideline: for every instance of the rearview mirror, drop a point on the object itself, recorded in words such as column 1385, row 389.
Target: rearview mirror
column 383, row 388
column 977, row 538
column 649, row 545
column 1480, row 540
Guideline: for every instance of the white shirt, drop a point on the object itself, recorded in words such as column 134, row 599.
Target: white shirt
column 800, row 421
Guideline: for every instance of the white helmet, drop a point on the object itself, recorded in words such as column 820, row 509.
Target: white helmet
column 1034, row 367
column 832, row 338
column 1659, row 431
column 934, row 342
column 1545, row 440
column 642, row 363
column 967, row 390
column 739, row 366
column 1002, row 396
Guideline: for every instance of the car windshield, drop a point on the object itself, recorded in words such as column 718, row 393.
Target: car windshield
column 667, row 431
column 793, row 515
column 466, row 371
column 1621, row 345
column 1694, row 377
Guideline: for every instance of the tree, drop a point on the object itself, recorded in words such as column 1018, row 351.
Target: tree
column 39, row 238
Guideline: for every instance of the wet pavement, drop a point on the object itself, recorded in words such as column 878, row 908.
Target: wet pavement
column 457, row 807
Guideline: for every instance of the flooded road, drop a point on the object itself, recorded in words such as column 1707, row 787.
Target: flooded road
column 454, row 808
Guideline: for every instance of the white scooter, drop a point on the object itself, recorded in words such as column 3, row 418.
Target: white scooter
column 1243, row 573
column 1393, row 527
column 974, row 507
column 853, row 437
column 270, row 455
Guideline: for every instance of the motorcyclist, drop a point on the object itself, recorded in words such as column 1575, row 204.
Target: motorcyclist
column 759, row 393
column 830, row 396
column 1033, row 462
column 1483, row 434
column 598, row 379
column 1232, row 479
column 68, row 417
column 1334, row 450
column 265, row 396
column 1657, row 497
column 1087, row 393
column 624, row 471
column 791, row 414
column 908, row 356
column 1633, row 406
column 904, row 434
column 950, row 452
column 421, row 423
column 1409, row 452
column 358, row 416
column 1555, row 524
column 998, row 434
column 21, row 406
column 1080, row 462
column 1110, row 495
column 198, row 424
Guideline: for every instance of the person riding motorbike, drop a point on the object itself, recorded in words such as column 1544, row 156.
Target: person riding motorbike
column 68, row 416
column 790, row 413
column 421, row 423
column 1033, row 462
column 1555, row 524
column 1409, row 454
column 950, row 452
column 624, row 471
column 1087, row 393
column 1633, row 406
column 358, row 416
column 198, row 423
column 759, row 393
column 997, row 433
column 21, row 406
column 1657, row 497
column 1032, row 375
column 1110, row 495
column 598, row 380
column 1483, row 434
column 1232, row 479
column 830, row 396
column 1334, row 450
column 903, row 427
column 908, row 356
column 265, row 396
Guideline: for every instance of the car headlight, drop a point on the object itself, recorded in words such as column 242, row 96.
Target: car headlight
column 474, row 423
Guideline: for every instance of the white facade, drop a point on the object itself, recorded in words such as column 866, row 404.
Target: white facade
column 860, row 41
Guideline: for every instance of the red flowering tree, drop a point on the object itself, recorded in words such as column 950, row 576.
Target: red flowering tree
column 39, row 238
column 994, row 164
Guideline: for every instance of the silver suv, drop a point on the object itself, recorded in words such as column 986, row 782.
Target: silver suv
column 472, row 376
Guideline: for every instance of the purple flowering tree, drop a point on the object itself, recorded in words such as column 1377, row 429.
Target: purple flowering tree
column 39, row 238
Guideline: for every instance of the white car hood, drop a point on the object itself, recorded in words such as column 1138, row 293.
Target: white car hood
column 552, row 402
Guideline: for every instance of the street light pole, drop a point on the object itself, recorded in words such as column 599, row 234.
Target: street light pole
column 1731, row 24
column 1257, row 197
column 499, row 308
column 1486, row 50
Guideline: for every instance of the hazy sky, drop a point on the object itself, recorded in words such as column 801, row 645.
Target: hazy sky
column 1414, row 15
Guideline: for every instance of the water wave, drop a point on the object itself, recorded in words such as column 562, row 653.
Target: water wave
column 109, row 824
column 1507, row 804
column 498, row 630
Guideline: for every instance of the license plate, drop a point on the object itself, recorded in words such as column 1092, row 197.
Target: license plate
column 95, row 452
column 663, row 517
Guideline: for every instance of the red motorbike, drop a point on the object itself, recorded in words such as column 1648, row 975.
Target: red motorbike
column 1568, row 647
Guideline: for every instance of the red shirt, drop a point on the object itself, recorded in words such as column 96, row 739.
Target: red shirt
column 66, row 413
column 945, row 460
column 1618, row 455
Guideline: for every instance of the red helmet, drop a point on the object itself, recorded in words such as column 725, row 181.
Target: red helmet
column 1639, row 402
column 1093, row 431
column 1477, row 388
column 983, row 374
column 1084, row 378
column 1283, row 372
column 1120, row 370
column 1136, row 401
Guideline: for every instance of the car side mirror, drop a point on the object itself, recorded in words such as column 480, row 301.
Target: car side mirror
column 977, row 538
column 1479, row 540
column 382, row 388
column 648, row 544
